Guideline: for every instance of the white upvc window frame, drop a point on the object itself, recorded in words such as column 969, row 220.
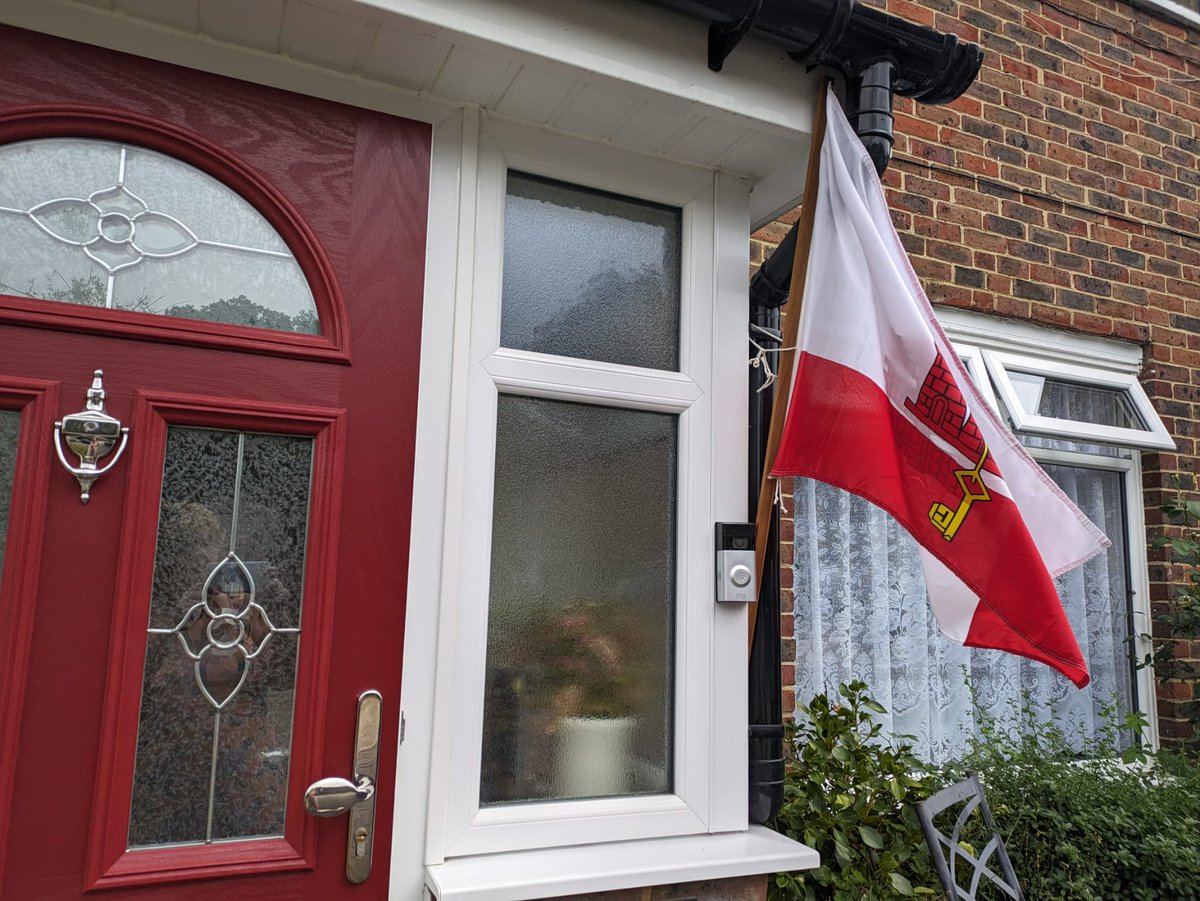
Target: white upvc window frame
column 1001, row 364
column 1128, row 464
column 988, row 345
column 708, row 392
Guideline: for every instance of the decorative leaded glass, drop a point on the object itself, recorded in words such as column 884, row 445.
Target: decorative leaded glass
column 111, row 225
column 214, row 736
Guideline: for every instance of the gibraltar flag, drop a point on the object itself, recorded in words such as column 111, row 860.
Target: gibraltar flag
column 882, row 407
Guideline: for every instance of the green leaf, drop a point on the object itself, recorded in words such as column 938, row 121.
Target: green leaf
column 870, row 835
column 897, row 788
column 901, row 884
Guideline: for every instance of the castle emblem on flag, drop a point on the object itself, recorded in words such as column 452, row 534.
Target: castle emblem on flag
column 940, row 406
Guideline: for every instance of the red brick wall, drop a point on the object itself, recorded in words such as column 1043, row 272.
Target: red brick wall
column 1064, row 188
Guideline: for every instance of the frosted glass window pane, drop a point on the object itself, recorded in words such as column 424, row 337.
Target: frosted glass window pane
column 9, row 423
column 105, row 224
column 214, row 735
column 589, row 274
column 581, row 613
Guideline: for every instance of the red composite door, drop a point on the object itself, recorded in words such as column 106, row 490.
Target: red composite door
column 183, row 656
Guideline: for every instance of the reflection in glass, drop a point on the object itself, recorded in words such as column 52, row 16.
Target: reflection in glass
column 95, row 223
column 581, row 613
column 589, row 274
column 1073, row 401
column 214, row 736
column 9, row 424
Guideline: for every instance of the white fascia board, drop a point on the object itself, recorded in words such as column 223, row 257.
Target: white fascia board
column 780, row 192
column 555, row 872
column 633, row 43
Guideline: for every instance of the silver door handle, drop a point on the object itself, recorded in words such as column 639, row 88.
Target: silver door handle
column 334, row 795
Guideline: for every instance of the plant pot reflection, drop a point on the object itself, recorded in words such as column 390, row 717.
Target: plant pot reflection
column 594, row 756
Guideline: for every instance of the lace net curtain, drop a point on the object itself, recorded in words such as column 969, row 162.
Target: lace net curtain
column 861, row 613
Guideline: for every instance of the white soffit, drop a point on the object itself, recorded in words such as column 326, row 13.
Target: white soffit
column 619, row 71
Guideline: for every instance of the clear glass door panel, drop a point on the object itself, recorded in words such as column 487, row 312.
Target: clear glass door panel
column 580, row 656
column 214, row 733
column 111, row 225
column 9, row 425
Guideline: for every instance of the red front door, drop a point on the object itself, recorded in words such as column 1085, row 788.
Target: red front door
column 182, row 656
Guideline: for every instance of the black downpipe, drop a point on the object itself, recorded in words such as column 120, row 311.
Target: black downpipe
column 769, row 290
column 766, row 702
column 871, row 111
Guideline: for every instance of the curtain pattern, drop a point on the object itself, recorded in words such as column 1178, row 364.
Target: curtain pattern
column 861, row 613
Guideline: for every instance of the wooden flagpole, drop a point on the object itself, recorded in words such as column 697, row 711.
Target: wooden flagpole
column 791, row 331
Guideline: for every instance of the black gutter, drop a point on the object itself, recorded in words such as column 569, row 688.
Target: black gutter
column 879, row 55
column 853, row 39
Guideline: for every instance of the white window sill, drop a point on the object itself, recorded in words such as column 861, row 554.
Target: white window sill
column 523, row 875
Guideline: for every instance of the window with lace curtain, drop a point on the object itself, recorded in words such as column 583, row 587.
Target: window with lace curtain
column 860, row 605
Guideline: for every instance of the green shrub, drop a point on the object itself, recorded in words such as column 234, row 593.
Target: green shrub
column 848, row 793
column 1092, row 829
column 1080, row 824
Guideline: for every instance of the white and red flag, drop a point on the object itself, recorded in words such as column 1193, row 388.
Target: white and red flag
column 882, row 407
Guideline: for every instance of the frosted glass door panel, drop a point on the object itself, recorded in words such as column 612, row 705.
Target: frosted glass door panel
column 581, row 614
column 589, row 274
column 214, row 738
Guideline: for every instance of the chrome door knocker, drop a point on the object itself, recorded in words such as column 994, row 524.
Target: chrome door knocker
column 90, row 434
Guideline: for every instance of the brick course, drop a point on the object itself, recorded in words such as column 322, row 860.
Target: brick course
column 1064, row 189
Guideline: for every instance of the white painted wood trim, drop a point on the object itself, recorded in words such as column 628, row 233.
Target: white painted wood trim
column 609, row 384
column 444, row 273
column 610, row 867
column 633, row 44
column 729, row 445
column 452, row 394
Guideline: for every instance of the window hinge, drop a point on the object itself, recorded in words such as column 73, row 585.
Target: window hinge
column 402, row 727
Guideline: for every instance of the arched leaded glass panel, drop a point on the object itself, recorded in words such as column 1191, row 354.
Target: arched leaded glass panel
column 113, row 225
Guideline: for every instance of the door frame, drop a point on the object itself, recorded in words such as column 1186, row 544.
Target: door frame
column 36, row 400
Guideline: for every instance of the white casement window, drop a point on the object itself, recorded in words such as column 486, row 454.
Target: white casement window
column 860, row 606
column 590, row 688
